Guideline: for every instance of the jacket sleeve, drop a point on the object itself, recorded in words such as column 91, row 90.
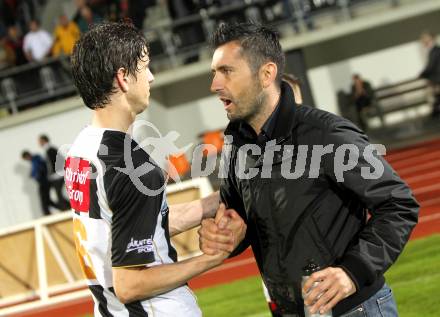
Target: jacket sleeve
column 391, row 204
column 230, row 196
column 52, row 157
column 431, row 68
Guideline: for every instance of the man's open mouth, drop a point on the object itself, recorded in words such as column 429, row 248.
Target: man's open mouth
column 226, row 101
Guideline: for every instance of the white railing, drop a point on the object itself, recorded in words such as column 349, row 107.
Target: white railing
column 44, row 291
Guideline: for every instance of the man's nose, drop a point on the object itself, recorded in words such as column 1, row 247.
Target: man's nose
column 216, row 84
column 150, row 76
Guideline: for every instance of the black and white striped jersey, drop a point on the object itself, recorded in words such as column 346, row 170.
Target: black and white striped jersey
column 120, row 219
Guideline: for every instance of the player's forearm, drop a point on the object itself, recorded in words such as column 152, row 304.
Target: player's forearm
column 183, row 217
column 133, row 284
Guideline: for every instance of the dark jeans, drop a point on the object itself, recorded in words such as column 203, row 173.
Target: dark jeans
column 381, row 304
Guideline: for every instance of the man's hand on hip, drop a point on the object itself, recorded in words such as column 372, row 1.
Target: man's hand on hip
column 333, row 285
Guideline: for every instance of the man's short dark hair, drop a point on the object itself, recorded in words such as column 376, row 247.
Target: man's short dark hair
column 44, row 137
column 25, row 154
column 99, row 54
column 259, row 44
column 428, row 33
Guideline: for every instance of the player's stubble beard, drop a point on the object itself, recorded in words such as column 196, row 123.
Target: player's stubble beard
column 250, row 105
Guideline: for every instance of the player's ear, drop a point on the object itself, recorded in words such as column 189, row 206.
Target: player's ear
column 122, row 79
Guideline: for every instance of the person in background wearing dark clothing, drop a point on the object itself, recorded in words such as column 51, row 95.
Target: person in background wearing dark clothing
column 55, row 181
column 8, row 12
column 432, row 69
column 85, row 17
column 362, row 95
column 7, row 56
column 285, row 172
column 295, row 84
column 230, row 16
column 289, row 12
column 137, row 11
column 189, row 33
column 39, row 174
column 15, row 42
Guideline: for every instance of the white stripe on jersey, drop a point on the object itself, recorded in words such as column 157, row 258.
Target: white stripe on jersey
column 160, row 243
column 114, row 305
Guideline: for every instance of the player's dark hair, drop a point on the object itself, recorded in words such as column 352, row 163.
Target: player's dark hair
column 259, row 44
column 428, row 33
column 25, row 154
column 99, row 54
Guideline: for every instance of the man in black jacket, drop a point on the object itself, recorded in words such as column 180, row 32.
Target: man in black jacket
column 432, row 69
column 56, row 181
column 308, row 184
column 362, row 95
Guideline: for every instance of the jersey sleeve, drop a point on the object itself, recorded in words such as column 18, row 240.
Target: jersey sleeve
column 134, row 220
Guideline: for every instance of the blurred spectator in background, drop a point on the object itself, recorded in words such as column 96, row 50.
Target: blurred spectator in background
column 432, row 69
column 362, row 95
column 101, row 7
column 37, row 43
column 7, row 57
column 295, row 84
column 8, row 12
column 14, row 41
column 65, row 35
column 137, row 11
column 298, row 13
column 86, row 17
column 56, row 181
column 189, row 33
column 233, row 16
column 39, row 174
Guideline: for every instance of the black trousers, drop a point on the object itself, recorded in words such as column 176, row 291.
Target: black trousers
column 44, row 192
column 362, row 102
column 58, row 185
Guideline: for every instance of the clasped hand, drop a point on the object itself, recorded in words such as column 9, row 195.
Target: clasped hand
column 222, row 234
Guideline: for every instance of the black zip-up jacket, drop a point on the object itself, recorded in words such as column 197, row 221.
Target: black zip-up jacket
column 358, row 219
column 432, row 69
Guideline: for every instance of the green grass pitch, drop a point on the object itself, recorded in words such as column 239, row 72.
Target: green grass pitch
column 414, row 278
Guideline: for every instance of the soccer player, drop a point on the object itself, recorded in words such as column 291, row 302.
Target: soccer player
column 122, row 223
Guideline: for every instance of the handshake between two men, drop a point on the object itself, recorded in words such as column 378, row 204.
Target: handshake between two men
column 220, row 236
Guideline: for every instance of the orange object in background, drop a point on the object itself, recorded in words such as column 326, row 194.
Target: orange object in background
column 180, row 163
column 215, row 138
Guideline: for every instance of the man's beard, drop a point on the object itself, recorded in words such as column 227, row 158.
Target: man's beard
column 254, row 109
